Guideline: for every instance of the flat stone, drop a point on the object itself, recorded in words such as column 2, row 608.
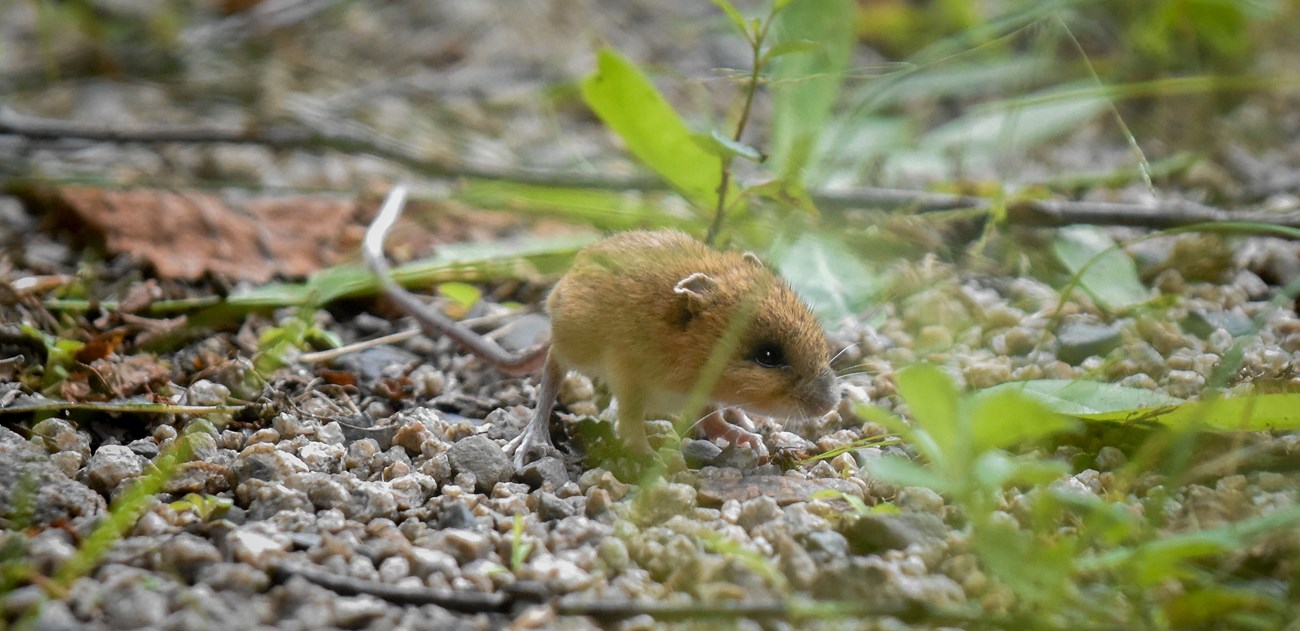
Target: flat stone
column 482, row 457
column 1079, row 341
column 784, row 490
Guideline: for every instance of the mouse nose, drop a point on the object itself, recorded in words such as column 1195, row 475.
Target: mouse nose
column 822, row 393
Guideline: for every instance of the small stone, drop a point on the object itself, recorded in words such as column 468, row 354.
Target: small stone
column 198, row 477
column 552, row 508
column 875, row 533
column 187, row 555
column 238, row 578
column 110, row 466
column 457, row 515
column 757, row 511
column 549, row 470
column 660, row 502
column 290, row 425
column 323, row 457
column 413, row 436
column 1079, row 340
column 330, row 433
column 465, row 545
column 133, row 606
column 700, row 453
column 61, row 436
column 483, row 457
column 919, row 499
column 370, row 500
column 1110, row 458
column 204, row 392
column 393, row 569
column 257, row 544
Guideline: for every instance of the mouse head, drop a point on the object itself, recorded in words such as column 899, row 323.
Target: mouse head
column 778, row 362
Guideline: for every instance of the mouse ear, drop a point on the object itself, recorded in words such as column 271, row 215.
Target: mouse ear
column 753, row 259
column 697, row 288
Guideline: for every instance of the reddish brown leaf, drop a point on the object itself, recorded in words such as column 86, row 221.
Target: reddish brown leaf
column 338, row 377
column 101, row 346
column 189, row 233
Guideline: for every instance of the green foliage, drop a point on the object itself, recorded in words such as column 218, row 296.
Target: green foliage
column 279, row 345
column 60, row 354
column 519, row 548
column 1104, row 271
column 1112, row 403
column 625, row 99
column 1069, row 552
column 829, row 275
column 207, row 507
column 813, row 45
column 126, row 509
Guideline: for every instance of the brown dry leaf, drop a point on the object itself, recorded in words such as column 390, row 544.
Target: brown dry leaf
column 185, row 234
column 132, row 375
column 101, row 345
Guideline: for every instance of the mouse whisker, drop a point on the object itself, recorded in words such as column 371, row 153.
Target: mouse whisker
column 842, row 351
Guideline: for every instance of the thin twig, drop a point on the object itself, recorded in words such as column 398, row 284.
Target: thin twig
column 350, row 139
column 466, row 602
column 1044, row 213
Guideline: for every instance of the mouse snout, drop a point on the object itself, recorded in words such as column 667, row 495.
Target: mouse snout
column 820, row 394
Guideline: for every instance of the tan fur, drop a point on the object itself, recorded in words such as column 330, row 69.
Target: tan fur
column 619, row 315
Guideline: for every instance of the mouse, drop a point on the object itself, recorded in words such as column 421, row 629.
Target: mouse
column 653, row 313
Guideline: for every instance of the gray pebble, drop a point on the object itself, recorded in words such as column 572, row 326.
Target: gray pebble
column 110, row 466
column 552, row 508
column 204, row 392
column 700, row 453
column 543, row 471
column 483, row 457
column 1080, row 340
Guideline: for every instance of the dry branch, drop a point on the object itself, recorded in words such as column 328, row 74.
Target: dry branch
column 355, row 138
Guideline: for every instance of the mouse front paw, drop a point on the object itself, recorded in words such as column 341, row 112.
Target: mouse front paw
column 733, row 426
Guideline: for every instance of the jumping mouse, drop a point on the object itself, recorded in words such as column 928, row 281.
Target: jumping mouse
column 646, row 313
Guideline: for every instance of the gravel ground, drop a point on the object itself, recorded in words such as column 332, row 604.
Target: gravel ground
column 336, row 506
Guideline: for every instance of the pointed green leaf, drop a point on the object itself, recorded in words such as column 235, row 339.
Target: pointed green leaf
column 806, row 86
column 829, row 275
column 904, row 472
column 1107, row 273
column 628, row 103
column 790, row 46
column 716, row 142
column 732, row 14
column 932, row 397
column 1008, row 418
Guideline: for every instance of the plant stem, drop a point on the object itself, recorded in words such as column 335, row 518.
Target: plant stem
column 724, row 182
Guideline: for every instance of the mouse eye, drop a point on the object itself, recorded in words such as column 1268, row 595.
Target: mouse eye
column 768, row 355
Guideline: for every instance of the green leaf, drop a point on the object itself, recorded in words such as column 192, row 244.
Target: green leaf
column 1104, row 271
column 933, row 399
column 995, row 470
column 790, row 46
column 1106, row 402
column 1016, row 124
column 806, row 86
column 732, row 14
column 718, row 143
column 1008, row 418
column 611, row 210
column 464, row 295
column 1085, row 399
column 904, row 472
column 628, row 103
column 829, row 275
